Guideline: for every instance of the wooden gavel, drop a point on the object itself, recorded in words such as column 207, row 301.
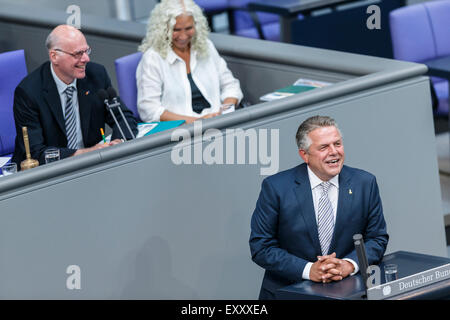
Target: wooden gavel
column 28, row 163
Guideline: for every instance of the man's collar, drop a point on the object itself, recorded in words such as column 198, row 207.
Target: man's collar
column 60, row 85
column 315, row 180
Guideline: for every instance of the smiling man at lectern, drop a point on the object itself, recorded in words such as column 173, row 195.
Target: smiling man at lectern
column 305, row 217
column 58, row 102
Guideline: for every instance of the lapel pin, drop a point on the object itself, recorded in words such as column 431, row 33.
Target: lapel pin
column 350, row 191
column 86, row 93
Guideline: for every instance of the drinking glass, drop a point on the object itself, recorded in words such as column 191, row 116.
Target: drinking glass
column 51, row 155
column 390, row 272
column 9, row 168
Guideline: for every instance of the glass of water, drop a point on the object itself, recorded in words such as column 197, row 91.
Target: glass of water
column 51, row 155
column 9, row 168
column 390, row 272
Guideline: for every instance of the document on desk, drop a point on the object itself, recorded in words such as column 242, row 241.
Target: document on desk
column 299, row 86
column 144, row 128
column 311, row 83
column 160, row 126
column 4, row 160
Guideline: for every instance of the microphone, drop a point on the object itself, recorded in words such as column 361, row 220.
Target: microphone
column 362, row 257
column 112, row 93
column 116, row 103
column 104, row 97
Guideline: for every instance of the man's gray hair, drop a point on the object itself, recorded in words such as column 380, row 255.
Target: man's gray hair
column 60, row 32
column 302, row 138
column 50, row 41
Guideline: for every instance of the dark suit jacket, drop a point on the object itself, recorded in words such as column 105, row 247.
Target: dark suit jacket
column 284, row 235
column 38, row 107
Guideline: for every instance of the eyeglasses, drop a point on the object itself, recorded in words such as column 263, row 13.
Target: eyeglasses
column 77, row 55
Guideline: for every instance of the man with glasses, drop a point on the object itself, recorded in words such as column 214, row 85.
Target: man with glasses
column 58, row 102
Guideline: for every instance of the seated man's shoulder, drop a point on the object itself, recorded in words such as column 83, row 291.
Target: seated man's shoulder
column 96, row 76
column 34, row 81
column 93, row 69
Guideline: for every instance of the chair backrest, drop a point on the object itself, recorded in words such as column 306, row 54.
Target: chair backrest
column 250, row 24
column 126, row 80
column 420, row 32
column 439, row 12
column 212, row 6
column 242, row 19
column 12, row 70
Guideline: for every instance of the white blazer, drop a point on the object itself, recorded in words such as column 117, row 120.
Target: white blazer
column 162, row 84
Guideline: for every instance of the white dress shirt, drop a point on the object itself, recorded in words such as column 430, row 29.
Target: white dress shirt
column 162, row 84
column 61, row 86
column 333, row 195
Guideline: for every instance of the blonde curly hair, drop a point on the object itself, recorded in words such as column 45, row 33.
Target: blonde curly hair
column 162, row 20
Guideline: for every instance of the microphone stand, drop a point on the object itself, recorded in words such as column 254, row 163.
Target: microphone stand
column 114, row 117
column 362, row 258
column 116, row 103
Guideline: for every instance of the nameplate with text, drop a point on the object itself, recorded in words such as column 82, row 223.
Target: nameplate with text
column 410, row 283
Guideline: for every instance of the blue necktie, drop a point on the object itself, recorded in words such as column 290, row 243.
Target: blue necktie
column 70, row 119
column 325, row 222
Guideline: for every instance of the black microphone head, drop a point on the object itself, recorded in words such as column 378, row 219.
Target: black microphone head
column 111, row 92
column 102, row 94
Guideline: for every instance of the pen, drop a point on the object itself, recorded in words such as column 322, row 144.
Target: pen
column 103, row 135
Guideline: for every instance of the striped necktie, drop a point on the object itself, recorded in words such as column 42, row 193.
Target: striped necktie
column 70, row 119
column 325, row 219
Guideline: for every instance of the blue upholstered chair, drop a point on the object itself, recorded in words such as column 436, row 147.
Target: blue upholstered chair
column 421, row 32
column 126, row 80
column 212, row 8
column 12, row 70
column 251, row 24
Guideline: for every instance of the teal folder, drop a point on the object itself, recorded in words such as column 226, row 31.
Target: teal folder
column 295, row 89
column 165, row 125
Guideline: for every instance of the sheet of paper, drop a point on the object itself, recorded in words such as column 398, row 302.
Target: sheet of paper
column 312, row 83
column 144, row 128
column 300, row 85
column 107, row 139
column 4, row 160
column 275, row 96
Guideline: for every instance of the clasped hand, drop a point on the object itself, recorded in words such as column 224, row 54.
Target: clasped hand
column 329, row 268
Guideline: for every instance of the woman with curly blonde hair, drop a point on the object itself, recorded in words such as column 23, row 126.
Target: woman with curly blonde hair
column 181, row 75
